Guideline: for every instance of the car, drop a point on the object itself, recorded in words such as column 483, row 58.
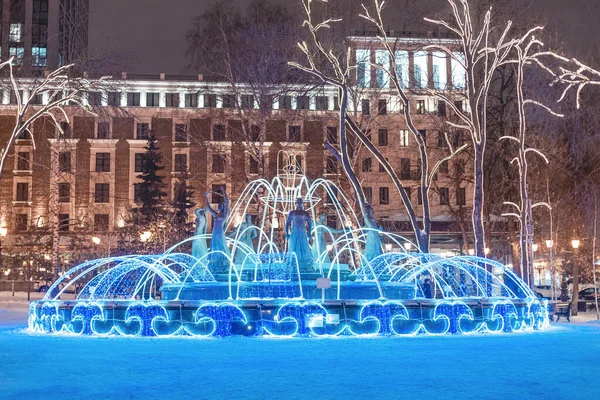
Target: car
column 588, row 294
column 545, row 290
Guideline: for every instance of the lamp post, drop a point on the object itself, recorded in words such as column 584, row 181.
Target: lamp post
column 549, row 245
column 144, row 237
column 575, row 292
column 534, row 248
column 3, row 232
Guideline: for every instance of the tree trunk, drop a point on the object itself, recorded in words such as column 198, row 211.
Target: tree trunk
column 478, row 198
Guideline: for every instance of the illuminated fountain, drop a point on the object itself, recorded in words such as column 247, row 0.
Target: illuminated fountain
column 265, row 289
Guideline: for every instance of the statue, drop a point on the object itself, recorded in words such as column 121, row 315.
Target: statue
column 319, row 244
column 199, row 248
column 299, row 220
column 245, row 232
column 373, row 246
column 219, row 257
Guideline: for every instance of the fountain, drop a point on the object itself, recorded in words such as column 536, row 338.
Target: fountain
column 254, row 282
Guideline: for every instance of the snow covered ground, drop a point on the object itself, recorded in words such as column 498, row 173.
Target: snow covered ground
column 560, row 363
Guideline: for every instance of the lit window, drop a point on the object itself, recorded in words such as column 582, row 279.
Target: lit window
column 458, row 71
column 402, row 68
column 17, row 53
column 15, row 32
column 404, row 137
column 440, row 72
column 421, row 72
column 363, row 67
column 381, row 73
column 38, row 55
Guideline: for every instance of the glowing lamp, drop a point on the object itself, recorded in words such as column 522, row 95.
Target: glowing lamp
column 471, row 252
column 407, row 246
column 534, row 247
column 145, row 236
column 388, row 247
column 3, row 231
column 486, row 251
column 7, row 271
column 549, row 243
column 329, row 247
column 575, row 243
column 96, row 240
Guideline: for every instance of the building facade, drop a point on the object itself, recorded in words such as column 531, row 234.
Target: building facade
column 85, row 179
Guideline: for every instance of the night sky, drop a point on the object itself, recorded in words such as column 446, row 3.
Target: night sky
column 148, row 36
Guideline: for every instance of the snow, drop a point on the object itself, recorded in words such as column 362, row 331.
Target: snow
column 558, row 363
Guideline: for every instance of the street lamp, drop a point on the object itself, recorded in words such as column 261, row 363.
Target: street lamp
column 96, row 240
column 534, row 247
column 486, row 251
column 471, row 252
column 388, row 247
column 144, row 237
column 575, row 291
column 3, row 232
column 407, row 246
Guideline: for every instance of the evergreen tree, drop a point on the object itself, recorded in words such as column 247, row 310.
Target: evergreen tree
column 151, row 194
column 182, row 200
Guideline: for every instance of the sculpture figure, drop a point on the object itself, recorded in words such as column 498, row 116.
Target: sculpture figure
column 199, row 248
column 219, row 257
column 319, row 244
column 245, row 232
column 373, row 246
column 299, row 220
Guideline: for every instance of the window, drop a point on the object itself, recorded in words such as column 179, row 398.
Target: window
column 382, row 106
column 458, row 139
column 366, row 106
column 95, row 98
column 382, row 137
column 331, row 196
column 152, row 99
column 21, row 222
column 23, row 161
column 384, row 195
column 440, row 71
column 459, row 166
column 402, row 63
column 363, row 67
column 459, row 105
column 332, row 134
column 180, row 163
column 218, row 163
column 180, row 132
column 419, row 196
column 368, row 191
column 100, row 222
column 216, row 195
column 443, row 169
column 228, row 101
column 382, row 59
column 444, row 196
column 179, row 192
column 24, row 135
column 210, row 100
column 381, row 167
column 367, row 165
column 63, row 222
column 253, row 167
column 442, row 108
column 219, row 132
column 302, row 103
column 421, row 71
column 405, row 168
column 64, row 192
column 461, row 197
column 247, row 101
column 172, row 100
column 15, row 32
column 37, row 99
column 22, row 191
column 458, row 71
column 191, row 100
column 114, row 98
column 255, row 133
column 423, row 133
column 332, row 221
column 321, row 103
column 102, row 162
column 142, row 131
column 420, row 106
column 331, row 165
column 286, row 103
column 103, row 130
column 294, row 134
column 139, row 162
column 137, row 193
column 64, row 131
column 101, row 192
column 133, row 99
column 442, row 142
column 64, row 161
column 404, row 137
